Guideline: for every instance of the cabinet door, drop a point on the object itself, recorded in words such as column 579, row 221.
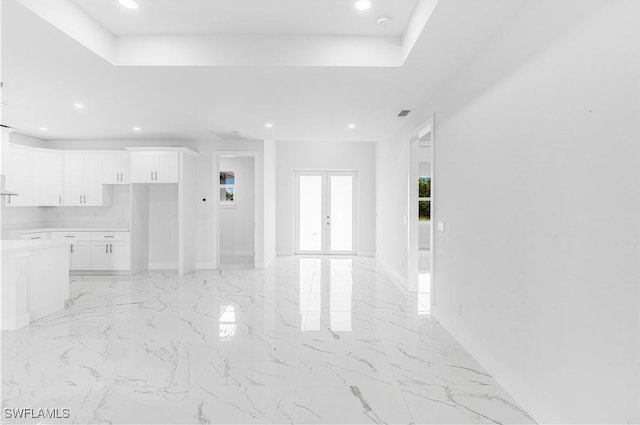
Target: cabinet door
column 119, row 255
column 167, row 167
column 100, row 258
column 125, row 168
column 20, row 176
column 80, row 256
column 93, row 180
column 73, row 178
column 142, row 167
column 48, row 178
column 111, row 168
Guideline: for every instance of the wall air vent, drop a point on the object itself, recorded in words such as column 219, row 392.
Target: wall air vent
column 229, row 135
column 404, row 112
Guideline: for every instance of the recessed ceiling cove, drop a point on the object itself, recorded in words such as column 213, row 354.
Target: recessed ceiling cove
column 241, row 32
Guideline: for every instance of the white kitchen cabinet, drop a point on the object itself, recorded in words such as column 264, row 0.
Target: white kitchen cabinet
column 115, row 168
column 48, row 177
column 109, row 256
column 20, row 176
column 83, row 180
column 80, row 256
column 119, row 252
column 100, row 258
column 155, row 167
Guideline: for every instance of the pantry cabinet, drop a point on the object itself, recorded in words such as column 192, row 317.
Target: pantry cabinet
column 155, row 167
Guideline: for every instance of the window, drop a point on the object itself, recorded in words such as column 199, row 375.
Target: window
column 424, row 199
column 227, row 187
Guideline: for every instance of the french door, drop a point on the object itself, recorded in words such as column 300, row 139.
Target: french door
column 326, row 212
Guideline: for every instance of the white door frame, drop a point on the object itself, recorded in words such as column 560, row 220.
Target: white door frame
column 423, row 132
column 326, row 208
column 258, row 214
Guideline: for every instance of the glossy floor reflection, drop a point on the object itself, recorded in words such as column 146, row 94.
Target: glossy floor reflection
column 308, row 340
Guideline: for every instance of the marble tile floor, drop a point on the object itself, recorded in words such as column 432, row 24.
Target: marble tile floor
column 309, row 340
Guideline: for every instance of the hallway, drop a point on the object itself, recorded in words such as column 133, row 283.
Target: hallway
column 309, row 340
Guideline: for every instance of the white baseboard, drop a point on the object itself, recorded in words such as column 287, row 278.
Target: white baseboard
column 206, row 266
column 237, row 252
column 284, row 253
column 520, row 393
column 163, row 266
column 11, row 323
column 366, row 253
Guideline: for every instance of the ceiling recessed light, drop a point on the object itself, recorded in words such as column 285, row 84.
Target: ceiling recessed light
column 78, row 105
column 129, row 4
column 44, row 129
column 268, row 125
column 137, row 129
column 352, row 126
column 384, row 21
column 363, row 4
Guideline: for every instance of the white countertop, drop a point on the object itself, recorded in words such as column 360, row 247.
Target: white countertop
column 68, row 229
column 10, row 246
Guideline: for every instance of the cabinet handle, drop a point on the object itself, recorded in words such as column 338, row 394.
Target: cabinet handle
column 85, row 198
column 60, row 199
column 106, row 248
column 69, row 236
column 37, row 237
column 110, row 248
column 109, row 236
column 80, row 198
column 72, row 248
column 151, row 175
column 156, row 175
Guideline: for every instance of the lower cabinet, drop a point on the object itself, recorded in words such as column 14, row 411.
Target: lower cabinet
column 110, row 255
column 79, row 256
column 96, row 251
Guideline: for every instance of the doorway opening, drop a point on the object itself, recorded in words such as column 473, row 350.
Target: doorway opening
column 421, row 240
column 236, row 211
column 326, row 212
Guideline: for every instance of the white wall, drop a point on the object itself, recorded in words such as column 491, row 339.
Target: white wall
column 292, row 156
column 237, row 222
column 270, row 217
column 541, row 128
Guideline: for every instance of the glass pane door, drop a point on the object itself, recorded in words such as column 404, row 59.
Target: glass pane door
column 310, row 201
column 341, row 213
column 325, row 212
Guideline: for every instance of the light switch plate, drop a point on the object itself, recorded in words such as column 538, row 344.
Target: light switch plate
column 441, row 226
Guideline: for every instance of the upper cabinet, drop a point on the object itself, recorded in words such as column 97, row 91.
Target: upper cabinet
column 19, row 170
column 155, row 166
column 83, row 180
column 48, row 179
column 115, row 168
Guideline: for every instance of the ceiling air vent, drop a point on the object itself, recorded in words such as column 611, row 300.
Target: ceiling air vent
column 229, row 135
column 404, row 112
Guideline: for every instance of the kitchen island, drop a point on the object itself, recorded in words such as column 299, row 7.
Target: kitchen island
column 35, row 280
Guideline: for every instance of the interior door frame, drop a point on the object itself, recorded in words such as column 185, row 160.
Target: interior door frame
column 326, row 208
